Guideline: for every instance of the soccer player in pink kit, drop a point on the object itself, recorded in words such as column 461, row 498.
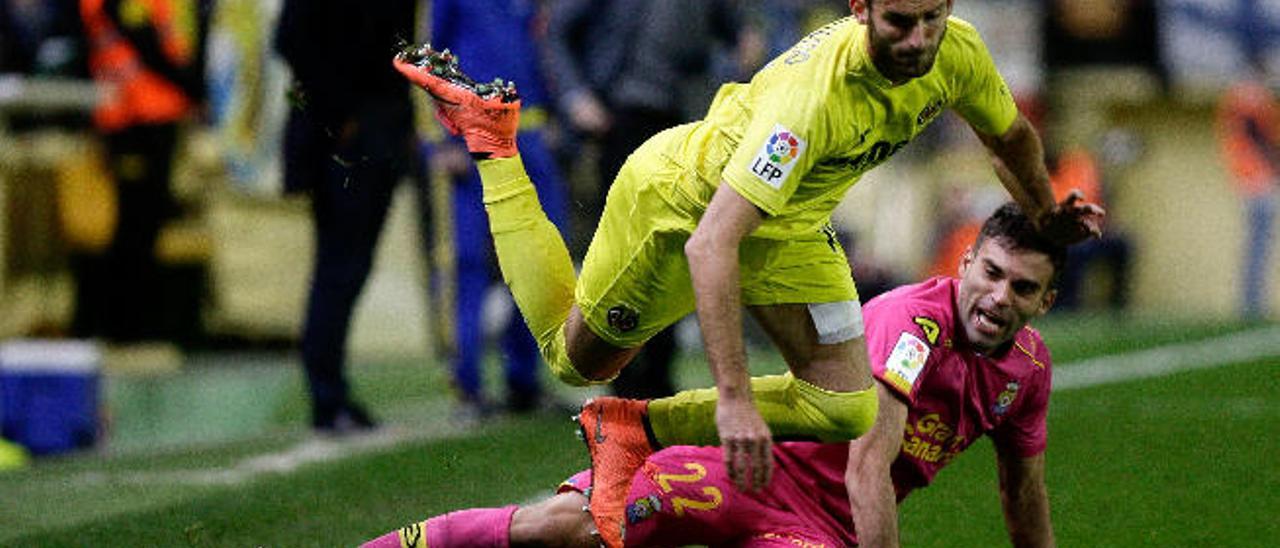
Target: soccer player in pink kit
column 955, row 361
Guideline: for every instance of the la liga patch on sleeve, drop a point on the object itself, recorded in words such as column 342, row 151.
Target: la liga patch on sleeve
column 777, row 157
column 906, row 362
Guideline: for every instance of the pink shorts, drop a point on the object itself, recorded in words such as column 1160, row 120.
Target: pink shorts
column 683, row 495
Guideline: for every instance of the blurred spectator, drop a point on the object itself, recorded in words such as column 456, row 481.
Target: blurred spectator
column 873, row 277
column 1248, row 126
column 348, row 141
column 961, row 213
column 1075, row 168
column 41, row 37
column 618, row 67
column 494, row 38
column 1103, row 32
column 145, row 62
column 785, row 22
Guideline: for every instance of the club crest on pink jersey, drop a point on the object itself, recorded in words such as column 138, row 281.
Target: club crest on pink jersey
column 1005, row 399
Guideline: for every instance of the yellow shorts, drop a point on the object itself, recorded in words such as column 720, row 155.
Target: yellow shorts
column 635, row 278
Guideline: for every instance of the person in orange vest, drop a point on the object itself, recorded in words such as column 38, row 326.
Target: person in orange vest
column 1075, row 168
column 1249, row 139
column 144, row 66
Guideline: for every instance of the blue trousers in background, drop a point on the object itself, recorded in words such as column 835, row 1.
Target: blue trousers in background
column 1255, row 299
column 477, row 272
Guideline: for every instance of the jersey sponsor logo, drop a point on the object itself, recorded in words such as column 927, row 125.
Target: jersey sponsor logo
column 777, row 157
column 929, row 327
column 928, row 113
column 623, row 319
column 873, row 156
column 930, row 439
column 906, row 362
column 793, row 539
column 1005, row 399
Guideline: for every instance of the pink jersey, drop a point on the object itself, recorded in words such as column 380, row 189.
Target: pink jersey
column 954, row 395
column 682, row 495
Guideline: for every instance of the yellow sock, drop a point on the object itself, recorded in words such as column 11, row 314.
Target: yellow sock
column 791, row 407
column 534, row 260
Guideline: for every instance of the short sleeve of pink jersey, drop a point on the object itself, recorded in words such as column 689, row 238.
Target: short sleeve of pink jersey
column 900, row 339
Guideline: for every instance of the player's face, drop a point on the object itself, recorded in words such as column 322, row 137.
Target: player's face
column 904, row 34
column 1000, row 290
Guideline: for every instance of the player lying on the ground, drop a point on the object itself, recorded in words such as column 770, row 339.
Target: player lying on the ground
column 734, row 210
column 954, row 360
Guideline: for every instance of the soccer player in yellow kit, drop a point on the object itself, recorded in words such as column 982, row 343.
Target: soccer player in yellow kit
column 734, row 211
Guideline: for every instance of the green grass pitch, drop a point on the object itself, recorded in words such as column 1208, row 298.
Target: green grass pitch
column 1186, row 459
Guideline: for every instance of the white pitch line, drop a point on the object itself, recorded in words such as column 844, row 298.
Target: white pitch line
column 1154, row 362
column 1242, row 346
column 309, row 451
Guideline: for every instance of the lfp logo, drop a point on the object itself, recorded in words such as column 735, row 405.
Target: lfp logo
column 784, row 148
column 777, row 156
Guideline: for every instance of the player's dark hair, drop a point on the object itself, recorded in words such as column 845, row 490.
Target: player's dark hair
column 1010, row 225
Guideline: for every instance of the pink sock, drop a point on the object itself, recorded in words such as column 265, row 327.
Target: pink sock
column 476, row 527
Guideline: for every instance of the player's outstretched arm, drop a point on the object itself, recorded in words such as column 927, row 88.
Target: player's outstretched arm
column 871, row 496
column 1024, row 498
column 712, row 251
column 1018, row 159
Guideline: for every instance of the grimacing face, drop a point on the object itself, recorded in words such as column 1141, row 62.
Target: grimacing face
column 904, row 35
column 1001, row 289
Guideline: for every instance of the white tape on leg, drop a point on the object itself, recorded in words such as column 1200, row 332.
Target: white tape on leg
column 837, row 322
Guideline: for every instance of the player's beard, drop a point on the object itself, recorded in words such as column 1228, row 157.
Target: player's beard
column 899, row 69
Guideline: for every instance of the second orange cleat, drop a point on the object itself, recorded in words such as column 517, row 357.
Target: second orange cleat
column 616, row 438
column 487, row 115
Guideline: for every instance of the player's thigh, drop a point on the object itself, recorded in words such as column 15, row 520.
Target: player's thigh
column 635, row 278
column 822, row 343
column 803, row 269
column 801, row 292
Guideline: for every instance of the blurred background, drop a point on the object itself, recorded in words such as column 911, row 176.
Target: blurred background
column 169, row 267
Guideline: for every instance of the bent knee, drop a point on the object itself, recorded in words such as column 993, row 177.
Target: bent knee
column 556, row 353
column 845, row 415
column 561, row 520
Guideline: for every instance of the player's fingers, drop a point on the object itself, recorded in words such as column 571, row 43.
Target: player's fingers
column 761, row 464
column 732, row 464
column 1072, row 197
column 1094, row 225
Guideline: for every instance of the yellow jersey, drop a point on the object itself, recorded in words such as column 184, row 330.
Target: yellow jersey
column 812, row 121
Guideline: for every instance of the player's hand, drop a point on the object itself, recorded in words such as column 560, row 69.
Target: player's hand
column 1073, row 220
column 746, row 443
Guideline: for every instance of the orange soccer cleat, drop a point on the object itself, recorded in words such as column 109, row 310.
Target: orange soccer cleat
column 486, row 115
column 618, row 442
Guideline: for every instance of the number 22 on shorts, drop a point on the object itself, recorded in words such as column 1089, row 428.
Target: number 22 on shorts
column 696, row 473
